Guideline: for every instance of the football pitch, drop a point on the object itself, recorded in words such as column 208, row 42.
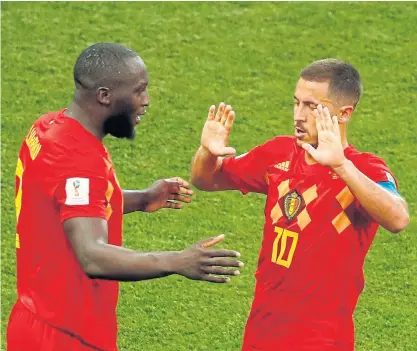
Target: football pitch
column 249, row 55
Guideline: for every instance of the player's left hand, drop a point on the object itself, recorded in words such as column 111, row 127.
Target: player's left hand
column 329, row 151
column 168, row 193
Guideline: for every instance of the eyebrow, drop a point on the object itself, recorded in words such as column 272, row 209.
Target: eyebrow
column 308, row 102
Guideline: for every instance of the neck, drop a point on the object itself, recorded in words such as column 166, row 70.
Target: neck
column 81, row 110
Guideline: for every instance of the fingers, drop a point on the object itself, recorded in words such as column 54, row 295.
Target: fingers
column 220, row 112
column 220, row 271
column 180, row 181
column 173, row 205
column 223, row 114
column 317, row 118
column 335, row 124
column 226, row 113
column 223, row 262
column 214, row 279
column 186, row 191
column 175, row 197
column 212, row 241
column 226, row 151
column 323, row 119
column 180, row 186
column 223, row 253
column 211, row 113
column 229, row 122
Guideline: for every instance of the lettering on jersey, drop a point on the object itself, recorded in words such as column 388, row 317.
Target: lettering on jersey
column 77, row 191
column 283, row 166
column 32, row 141
column 292, row 204
column 391, row 179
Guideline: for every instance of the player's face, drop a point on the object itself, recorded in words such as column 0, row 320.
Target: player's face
column 306, row 98
column 130, row 102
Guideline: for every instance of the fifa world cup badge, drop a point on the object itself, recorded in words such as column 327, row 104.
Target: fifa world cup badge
column 77, row 191
column 76, row 185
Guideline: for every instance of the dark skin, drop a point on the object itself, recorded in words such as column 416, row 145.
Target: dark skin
column 127, row 97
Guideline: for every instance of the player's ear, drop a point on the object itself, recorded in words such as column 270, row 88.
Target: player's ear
column 103, row 95
column 345, row 112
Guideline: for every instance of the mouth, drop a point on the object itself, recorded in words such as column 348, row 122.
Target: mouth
column 138, row 117
column 300, row 133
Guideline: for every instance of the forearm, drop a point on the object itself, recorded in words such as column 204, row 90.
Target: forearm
column 205, row 170
column 117, row 263
column 388, row 210
column 134, row 200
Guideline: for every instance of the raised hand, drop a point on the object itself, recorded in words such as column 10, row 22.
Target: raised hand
column 168, row 193
column 216, row 131
column 198, row 262
column 329, row 151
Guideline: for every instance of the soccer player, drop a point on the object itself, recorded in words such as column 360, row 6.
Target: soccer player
column 324, row 203
column 69, row 214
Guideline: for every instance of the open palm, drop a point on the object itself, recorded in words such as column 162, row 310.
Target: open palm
column 329, row 151
column 217, row 129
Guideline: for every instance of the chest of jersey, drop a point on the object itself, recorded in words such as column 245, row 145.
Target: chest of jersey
column 306, row 205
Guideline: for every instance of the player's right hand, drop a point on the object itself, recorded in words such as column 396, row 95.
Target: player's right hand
column 216, row 130
column 198, row 262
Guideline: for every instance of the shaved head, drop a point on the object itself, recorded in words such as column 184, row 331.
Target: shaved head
column 105, row 65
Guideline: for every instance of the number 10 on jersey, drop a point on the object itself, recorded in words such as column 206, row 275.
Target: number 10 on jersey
column 284, row 255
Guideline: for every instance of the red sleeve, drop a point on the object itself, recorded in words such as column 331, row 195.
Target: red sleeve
column 375, row 168
column 247, row 172
column 77, row 179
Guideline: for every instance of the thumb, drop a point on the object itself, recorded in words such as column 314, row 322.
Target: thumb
column 212, row 241
column 228, row 151
column 311, row 150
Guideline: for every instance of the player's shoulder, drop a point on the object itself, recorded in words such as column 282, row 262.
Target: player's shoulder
column 364, row 159
column 66, row 143
column 279, row 144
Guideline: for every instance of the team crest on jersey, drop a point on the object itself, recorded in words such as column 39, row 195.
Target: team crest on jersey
column 292, row 204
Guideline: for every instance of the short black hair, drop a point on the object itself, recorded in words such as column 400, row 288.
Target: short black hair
column 345, row 82
column 101, row 64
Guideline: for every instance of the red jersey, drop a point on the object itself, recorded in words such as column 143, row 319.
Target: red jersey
column 63, row 171
column 316, row 237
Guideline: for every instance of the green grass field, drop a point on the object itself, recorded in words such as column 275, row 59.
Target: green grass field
column 249, row 55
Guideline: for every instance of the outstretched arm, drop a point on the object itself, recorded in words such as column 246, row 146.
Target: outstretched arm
column 388, row 209
column 206, row 165
column 164, row 193
column 100, row 260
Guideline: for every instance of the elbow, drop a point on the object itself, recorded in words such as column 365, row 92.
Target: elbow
column 400, row 224
column 402, row 220
column 89, row 263
column 92, row 271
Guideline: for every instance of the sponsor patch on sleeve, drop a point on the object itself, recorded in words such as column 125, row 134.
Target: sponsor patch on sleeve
column 77, row 191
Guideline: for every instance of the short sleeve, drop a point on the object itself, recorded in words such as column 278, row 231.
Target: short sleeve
column 376, row 169
column 248, row 171
column 77, row 180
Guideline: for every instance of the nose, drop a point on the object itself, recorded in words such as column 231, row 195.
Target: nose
column 298, row 114
column 145, row 99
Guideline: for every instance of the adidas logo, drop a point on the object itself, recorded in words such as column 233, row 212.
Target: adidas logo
column 283, row 166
